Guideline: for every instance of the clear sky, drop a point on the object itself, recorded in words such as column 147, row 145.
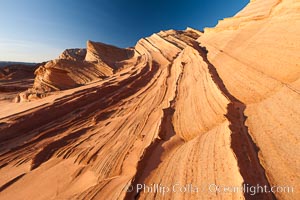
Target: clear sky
column 39, row 30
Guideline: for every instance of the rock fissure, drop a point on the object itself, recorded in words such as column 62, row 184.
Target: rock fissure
column 152, row 154
column 242, row 144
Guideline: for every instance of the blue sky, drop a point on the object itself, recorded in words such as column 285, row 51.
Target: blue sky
column 39, row 30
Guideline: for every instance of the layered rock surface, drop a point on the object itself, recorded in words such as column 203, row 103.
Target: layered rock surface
column 182, row 107
column 77, row 67
column 256, row 56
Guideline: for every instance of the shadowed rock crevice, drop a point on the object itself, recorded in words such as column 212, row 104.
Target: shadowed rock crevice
column 6, row 185
column 242, row 144
column 152, row 155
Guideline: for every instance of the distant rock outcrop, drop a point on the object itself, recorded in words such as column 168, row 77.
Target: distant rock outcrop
column 73, row 54
column 15, row 78
column 77, row 67
column 101, row 53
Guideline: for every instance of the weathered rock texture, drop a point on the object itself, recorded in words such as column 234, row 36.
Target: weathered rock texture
column 256, row 54
column 182, row 107
column 77, row 67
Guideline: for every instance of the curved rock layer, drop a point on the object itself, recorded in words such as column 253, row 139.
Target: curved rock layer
column 256, row 56
column 181, row 110
column 77, row 67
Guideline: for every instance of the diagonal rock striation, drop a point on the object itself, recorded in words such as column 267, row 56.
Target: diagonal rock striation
column 182, row 110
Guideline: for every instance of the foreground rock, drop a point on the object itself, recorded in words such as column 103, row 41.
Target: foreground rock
column 255, row 56
column 182, row 109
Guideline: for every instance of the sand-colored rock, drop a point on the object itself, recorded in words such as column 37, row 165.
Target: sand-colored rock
column 256, row 55
column 77, row 67
column 108, row 54
column 182, row 109
column 73, row 54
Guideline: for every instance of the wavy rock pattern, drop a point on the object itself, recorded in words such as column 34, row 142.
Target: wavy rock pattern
column 181, row 107
column 77, row 67
column 257, row 62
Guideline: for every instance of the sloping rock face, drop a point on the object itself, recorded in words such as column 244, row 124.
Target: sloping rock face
column 256, row 56
column 102, row 53
column 177, row 115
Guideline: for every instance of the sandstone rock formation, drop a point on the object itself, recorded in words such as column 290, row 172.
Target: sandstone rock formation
column 256, row 56
column 77, row 67
column 73, row 54
column 182, row 107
